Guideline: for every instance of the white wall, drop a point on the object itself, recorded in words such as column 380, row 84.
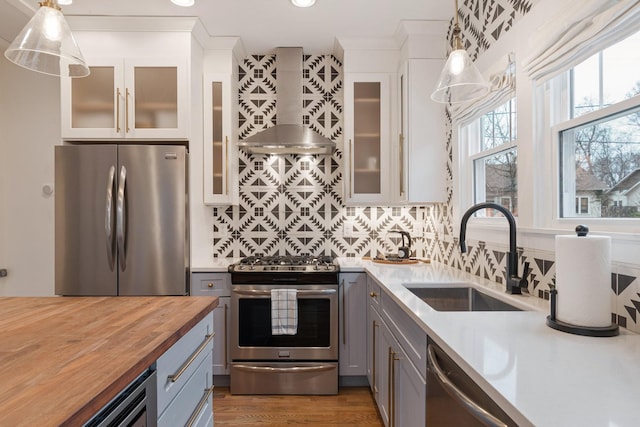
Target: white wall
column 29, row 129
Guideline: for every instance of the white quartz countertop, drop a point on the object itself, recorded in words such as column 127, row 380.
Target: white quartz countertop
column 538, row 375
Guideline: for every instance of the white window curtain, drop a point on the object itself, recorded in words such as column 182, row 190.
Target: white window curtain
column 580, row 30
column 502, row 87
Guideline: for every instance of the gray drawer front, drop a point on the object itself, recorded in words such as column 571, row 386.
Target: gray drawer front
column 211, row 284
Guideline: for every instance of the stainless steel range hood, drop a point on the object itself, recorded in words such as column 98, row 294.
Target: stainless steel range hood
column 289, row 135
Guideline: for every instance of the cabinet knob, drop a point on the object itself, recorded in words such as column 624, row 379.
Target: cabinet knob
column 373, row 294
column 210, row 285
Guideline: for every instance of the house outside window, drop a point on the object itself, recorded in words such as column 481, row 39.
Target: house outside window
column 493, row 156
column 599, row 150
column 582, row 205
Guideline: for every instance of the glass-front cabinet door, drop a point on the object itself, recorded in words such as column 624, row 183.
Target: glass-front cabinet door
column 156, row 96
column 126, row 98
column 367, row 138
column 220, row 183
column 90, row 106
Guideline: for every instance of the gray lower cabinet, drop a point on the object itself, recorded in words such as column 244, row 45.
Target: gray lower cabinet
column 218, row 285
column 407, row 389
column 353, row 327
column 377, row 364
column 185, row 379
column 396, row 353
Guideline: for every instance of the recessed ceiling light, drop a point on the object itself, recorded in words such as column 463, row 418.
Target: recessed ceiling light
column 64, row 2
column 183, row 3
column 303, row 3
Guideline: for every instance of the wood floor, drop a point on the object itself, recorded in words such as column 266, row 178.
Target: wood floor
column 353, row 406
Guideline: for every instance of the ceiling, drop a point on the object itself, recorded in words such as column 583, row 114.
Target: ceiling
column 261, row 24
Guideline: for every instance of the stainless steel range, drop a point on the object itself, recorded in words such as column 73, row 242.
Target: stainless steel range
column 304, row 358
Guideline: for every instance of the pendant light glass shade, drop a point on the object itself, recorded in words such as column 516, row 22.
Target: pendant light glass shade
column 303, row 3
column 47, row 46
column 184, row 3
column 460, row 80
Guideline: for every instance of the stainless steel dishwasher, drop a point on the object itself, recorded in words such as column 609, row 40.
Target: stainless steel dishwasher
column 454, row 399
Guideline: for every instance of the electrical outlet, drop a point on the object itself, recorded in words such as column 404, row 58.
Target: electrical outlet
column 418, row 229
column 347, row 229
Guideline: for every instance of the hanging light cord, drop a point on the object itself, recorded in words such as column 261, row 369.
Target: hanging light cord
column 457, row 40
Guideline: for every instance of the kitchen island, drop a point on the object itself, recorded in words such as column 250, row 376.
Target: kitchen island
column 64, row 358
column 539, row 376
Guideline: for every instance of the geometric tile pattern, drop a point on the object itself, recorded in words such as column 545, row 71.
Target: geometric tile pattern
column 484, row 21
column 256, row 94
column 293, row 204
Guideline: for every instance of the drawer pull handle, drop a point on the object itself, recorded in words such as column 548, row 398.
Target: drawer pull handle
column 272, row 370
column 173, row 378
column 373, row 294
column 205, row 398
column 210, row 285
column 344, row 315
column 260, row 292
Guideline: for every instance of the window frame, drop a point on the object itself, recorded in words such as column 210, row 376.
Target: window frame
column 559, row 94
column 469, row 140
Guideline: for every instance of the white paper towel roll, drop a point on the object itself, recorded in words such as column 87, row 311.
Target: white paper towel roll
column 583, row 280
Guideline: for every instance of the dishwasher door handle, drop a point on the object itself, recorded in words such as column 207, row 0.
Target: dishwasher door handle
column 475, row 409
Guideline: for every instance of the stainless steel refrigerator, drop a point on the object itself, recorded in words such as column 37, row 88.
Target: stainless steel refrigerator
column 121, row 220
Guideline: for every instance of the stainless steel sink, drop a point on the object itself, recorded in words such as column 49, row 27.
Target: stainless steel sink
column 460, row 299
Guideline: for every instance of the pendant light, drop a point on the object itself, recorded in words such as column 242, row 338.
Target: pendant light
column 303, row 3
column 460, row 80
column 47, row 46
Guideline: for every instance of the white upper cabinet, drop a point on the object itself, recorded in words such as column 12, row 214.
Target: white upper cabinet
column 220, row 152
column 367, row 132
column 220, row 121
column 394, row 138
column 421, row 142
column 138, row 88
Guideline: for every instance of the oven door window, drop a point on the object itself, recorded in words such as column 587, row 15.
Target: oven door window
column 314, row 324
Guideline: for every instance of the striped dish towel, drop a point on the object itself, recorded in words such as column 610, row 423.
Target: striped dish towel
column 284, row 312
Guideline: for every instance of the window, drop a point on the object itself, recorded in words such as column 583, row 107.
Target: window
column 493, row 155
column 599, row 148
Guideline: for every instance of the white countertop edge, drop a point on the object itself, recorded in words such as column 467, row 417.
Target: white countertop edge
column 564, row 394
column 217, row 265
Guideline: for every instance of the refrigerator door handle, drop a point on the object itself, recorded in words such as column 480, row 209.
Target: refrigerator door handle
column 108, row 217
column 121, row 228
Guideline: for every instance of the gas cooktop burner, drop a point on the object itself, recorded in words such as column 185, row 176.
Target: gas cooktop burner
column 285, row 263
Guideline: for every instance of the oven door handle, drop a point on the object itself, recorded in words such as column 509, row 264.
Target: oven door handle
column 270, row 369
column 299, row 292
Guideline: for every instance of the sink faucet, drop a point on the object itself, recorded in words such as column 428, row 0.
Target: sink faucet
column 514, row 282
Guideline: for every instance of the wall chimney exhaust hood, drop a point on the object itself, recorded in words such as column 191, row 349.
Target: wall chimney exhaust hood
column 289, row 135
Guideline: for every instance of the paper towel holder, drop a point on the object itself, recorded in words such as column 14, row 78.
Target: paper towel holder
column 590, row 331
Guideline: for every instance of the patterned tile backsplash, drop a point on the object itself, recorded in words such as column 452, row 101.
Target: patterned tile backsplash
column 294, row 204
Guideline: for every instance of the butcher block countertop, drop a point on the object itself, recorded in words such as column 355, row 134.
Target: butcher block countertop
column 63, row 358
